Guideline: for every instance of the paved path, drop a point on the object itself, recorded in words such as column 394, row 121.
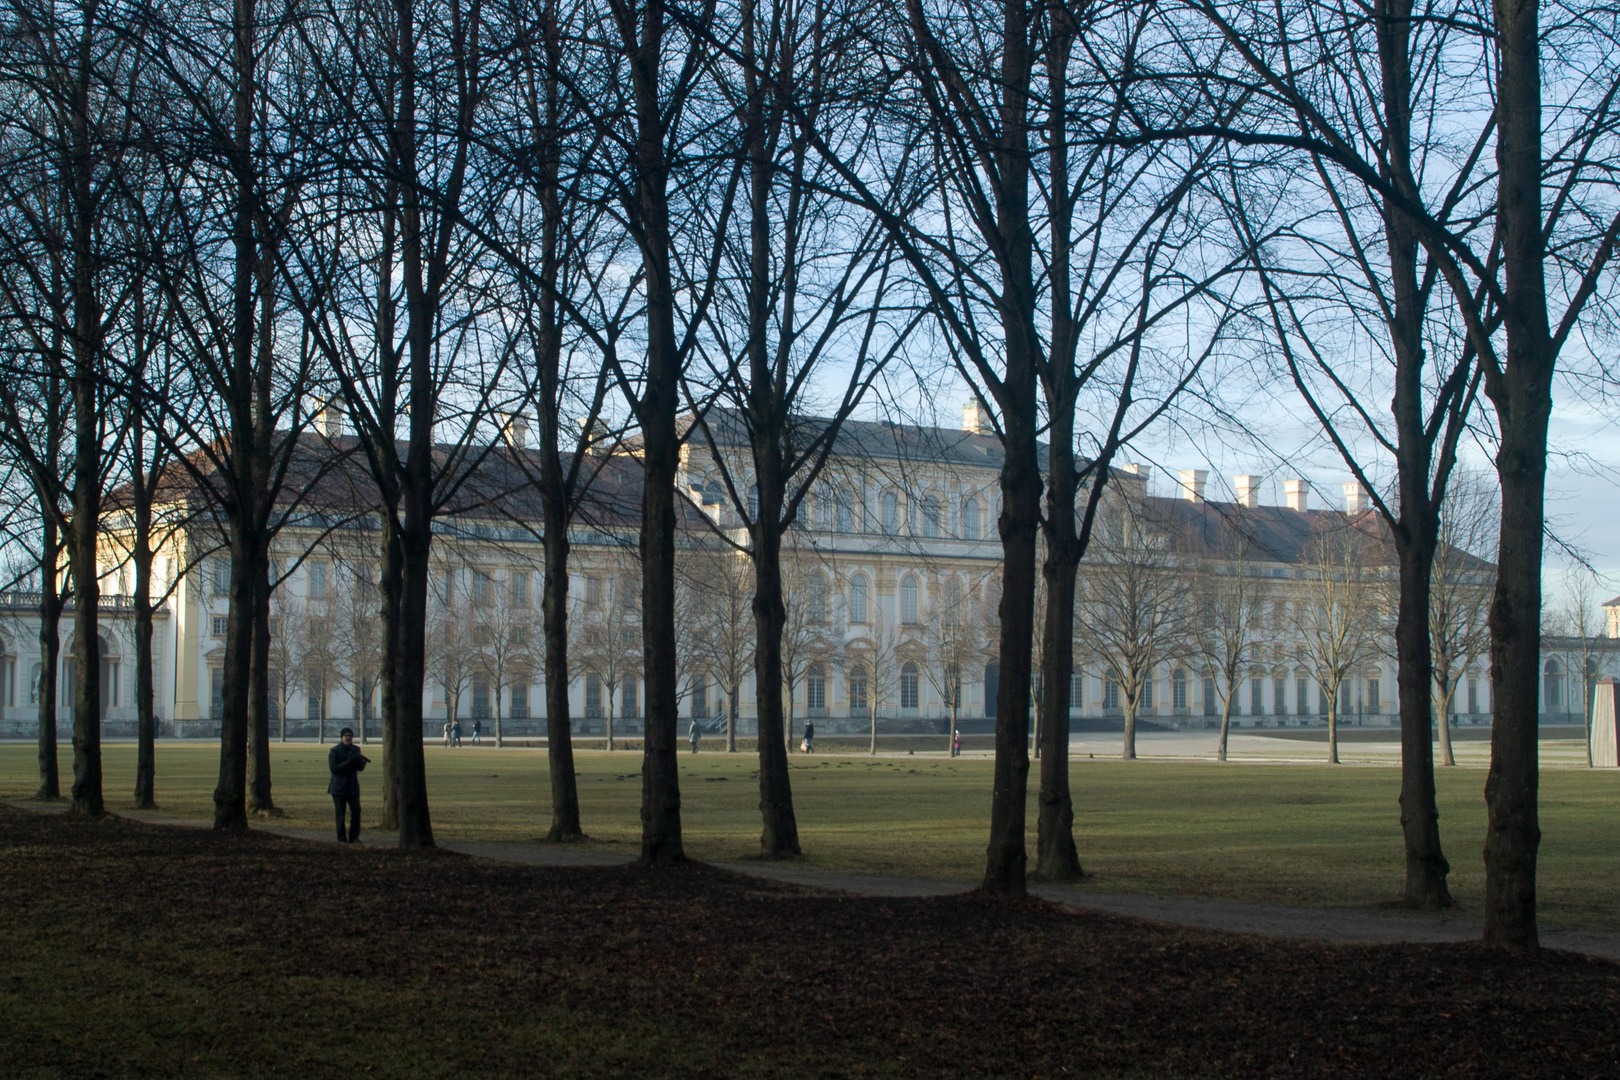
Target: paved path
column 1267, row 920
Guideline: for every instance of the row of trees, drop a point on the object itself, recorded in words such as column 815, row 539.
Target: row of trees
column 440, row 212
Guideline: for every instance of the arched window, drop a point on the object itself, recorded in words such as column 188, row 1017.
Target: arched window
column 970, row 519
column 855, row 684
column 908, row 600
column 846, row 510
column 857, row 599
column 891, row 513
column 815, row 690
column 1178, row 690
column 930, row 516
column 908, row 686
column 816, row 600
column 1111, row 690
column 714, row 492
column 753, row 502
column 1552, row 683
column 913, row 514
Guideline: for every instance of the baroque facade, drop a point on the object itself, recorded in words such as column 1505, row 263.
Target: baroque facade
column 892, row 572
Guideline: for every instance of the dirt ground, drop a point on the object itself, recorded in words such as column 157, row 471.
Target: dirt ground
column 137, row 949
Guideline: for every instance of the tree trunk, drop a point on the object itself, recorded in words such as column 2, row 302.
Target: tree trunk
column 230, row 794
column 1056, row 857
column 1226, row 722
column 50, row 657
column 145, row 696
column 607, row 714
column 565, row 823
column 1333, row 728
column 259, row 796
column 1447, row 757
column 1426, row 865
column 1129, row 752
column 410, row 672
column 1523, row 399
column 779, row 833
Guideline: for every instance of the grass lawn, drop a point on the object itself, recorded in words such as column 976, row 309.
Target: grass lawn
column 1301, row 834
column 140, row 950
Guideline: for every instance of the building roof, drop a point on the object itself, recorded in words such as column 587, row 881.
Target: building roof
column 882, row 440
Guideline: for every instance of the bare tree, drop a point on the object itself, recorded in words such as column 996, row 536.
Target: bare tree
column 610, row 636
column 874, row 657
column 452, row 657
column 721, row 584
column 1460, row 597
column 291, row 648
column 954, row 634
column 1131, row 595
column 1226, row 601
column 1337, row 623
column 505, row 623
column 806, row 625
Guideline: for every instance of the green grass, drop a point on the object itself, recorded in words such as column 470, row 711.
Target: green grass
column 1303, row 834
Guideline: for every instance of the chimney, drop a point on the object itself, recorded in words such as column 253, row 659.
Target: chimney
column 515, row 431
column 329, row 421
column 970, row 418
column 1143, row 474
column 1192, row 483
column 1248, row 490
column 1294, row 491
column 1355, row 498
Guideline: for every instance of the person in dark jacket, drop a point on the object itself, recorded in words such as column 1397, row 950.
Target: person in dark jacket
column 345, row 762
column 809, row 744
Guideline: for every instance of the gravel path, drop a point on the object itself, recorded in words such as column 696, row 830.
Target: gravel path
column 1267, row 920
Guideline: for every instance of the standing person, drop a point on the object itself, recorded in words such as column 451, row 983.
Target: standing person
column 809, row 737
column 455, row 733
column 693, row 734
column 478, row 730
column 447, row 734
column 956, row 745
column 345, row 762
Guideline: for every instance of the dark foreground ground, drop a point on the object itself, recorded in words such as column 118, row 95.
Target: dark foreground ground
column 136, row 950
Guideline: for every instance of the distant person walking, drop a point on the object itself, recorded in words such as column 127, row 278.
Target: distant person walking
column 455, row 733
column 447, row 734
column 694, row 733
column 478, row 730
column 809, row 745
column 345, row 761
column 956, row 744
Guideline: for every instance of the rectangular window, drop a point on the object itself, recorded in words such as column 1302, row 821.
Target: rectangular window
column 9, row 675
column 700, row 697
column 1372, row 695
column 857, row 693
column 216, row 693
column 317, row 581
column 1344, row 699
column 628, row 705
column 1147, row 691
column 480, row 699
column 1279, row 697
column 518, row 586
column 1302, row 696
column 815, row 693
column 481, row 587
column 593, row 590
column 1211, row 699
column 1178, row 692
column 1077, row 690
column 1473, row 695
column 1110, row 694
column 220, row 622
column 520, row 702
column 315, row 699
column 1257, row 697
column 1321, row 700
column 221, row 576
